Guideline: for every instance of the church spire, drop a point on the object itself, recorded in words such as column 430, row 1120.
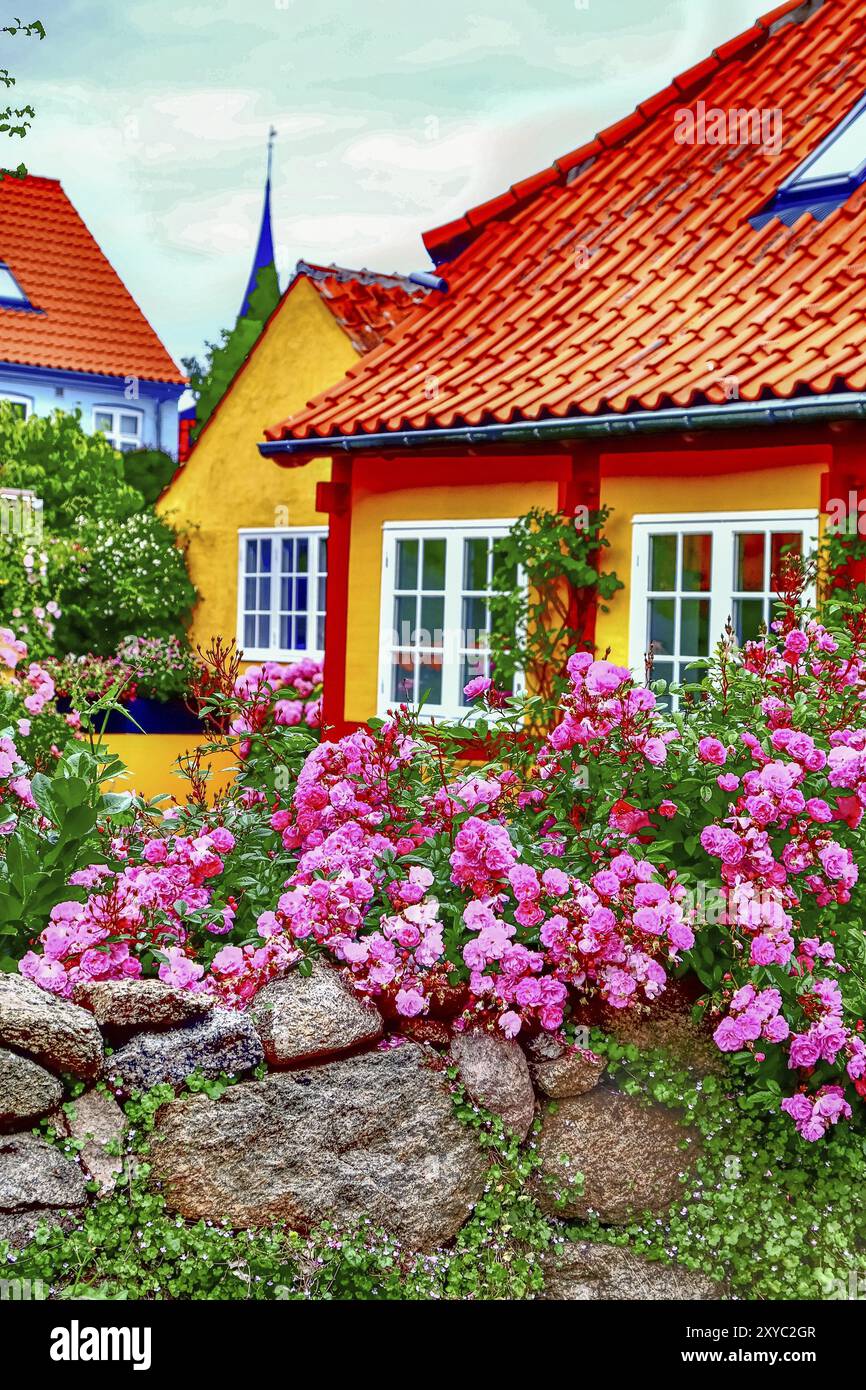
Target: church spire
column 264, row 256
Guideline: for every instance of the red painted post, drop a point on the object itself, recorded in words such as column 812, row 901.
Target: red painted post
column 335, row 498
column 581, row 488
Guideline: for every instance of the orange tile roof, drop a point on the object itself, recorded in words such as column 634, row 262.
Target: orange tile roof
column 366, row 304
column 629, row 276
column 88, row 321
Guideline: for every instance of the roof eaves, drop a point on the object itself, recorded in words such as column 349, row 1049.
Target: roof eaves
column 810, row 408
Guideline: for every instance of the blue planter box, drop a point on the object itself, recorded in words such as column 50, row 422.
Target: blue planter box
column 153, row 716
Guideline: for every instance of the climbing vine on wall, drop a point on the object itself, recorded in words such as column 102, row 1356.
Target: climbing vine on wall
column 539, row 622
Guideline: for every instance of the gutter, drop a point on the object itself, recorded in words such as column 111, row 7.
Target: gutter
column 616, row 425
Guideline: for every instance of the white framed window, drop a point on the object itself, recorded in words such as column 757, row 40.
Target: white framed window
column 435, row 620
column 691, row 573
column 22, row 405
column 282, row 584
column 121, row 427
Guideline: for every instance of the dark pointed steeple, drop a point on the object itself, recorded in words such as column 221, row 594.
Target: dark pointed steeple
column 265, row 248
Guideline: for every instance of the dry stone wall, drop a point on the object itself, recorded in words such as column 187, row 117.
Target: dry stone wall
column 330, row 1118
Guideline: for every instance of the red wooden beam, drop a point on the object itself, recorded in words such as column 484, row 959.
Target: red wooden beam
column 335, row 498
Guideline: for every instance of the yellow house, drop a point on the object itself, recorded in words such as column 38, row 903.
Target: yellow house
column 258, row 543
column 666, row 322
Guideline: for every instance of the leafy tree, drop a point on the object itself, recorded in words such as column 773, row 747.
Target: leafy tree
column 17, row 120
column 76, row 474
column 210, row 378
column 149, row 471
column 99, row 552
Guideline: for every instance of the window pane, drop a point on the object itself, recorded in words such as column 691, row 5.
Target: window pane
column 103, row 421
column 322, row 591
column 320, row 633
column 287, row 556
column 265, row 556
column 264, row 634
column 403, row 676
column 129, row 424
column 301, row 592
column 323, row 555
column 663, row 563
column 475, row 618
column 249, row 593
column 782, row 545
column 749, row 566
column 748, row 616
column 407, row 564
column 434, row 565
column 250, row 630
column 251, row 557
column 661, row 625
column 430, row 679
column 301, row 632
column 9, row 286
column 302, row 555
column 433, row 621
column 286, row 632
column 405, row 609
column 475, row 563
column 695, row 627
column 663, row 671
column 265, row 592
column 843, row 156
column 697, row 564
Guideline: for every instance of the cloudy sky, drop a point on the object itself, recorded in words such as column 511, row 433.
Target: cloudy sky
column 393, row 116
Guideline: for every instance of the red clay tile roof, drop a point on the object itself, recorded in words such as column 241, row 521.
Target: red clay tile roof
column 88, row 321
column 365, row 304
column 629, row 276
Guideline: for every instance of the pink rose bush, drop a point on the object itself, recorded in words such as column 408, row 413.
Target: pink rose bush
column 285, row 696
column 15, row 788
column 522, row 892
column 28, row 703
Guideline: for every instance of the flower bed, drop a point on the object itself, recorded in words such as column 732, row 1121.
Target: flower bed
column 629, row 845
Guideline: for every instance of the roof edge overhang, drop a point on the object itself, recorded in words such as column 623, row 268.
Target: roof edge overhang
column 851, row 405
column 159, row 386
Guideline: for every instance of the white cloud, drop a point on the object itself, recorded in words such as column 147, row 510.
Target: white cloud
column 347, row 238
column 483, row 35
column 391, row 120
column 221, row 225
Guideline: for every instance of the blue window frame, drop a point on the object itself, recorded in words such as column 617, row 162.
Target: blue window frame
column 827, row 177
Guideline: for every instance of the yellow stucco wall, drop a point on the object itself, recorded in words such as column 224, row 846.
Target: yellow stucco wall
column 150, row 761
column 488, row 500
column 226, row 484
column 630, row 492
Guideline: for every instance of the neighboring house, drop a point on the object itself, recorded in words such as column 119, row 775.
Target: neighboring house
column 671, row 321
column 258, row 539
column 71, row 336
